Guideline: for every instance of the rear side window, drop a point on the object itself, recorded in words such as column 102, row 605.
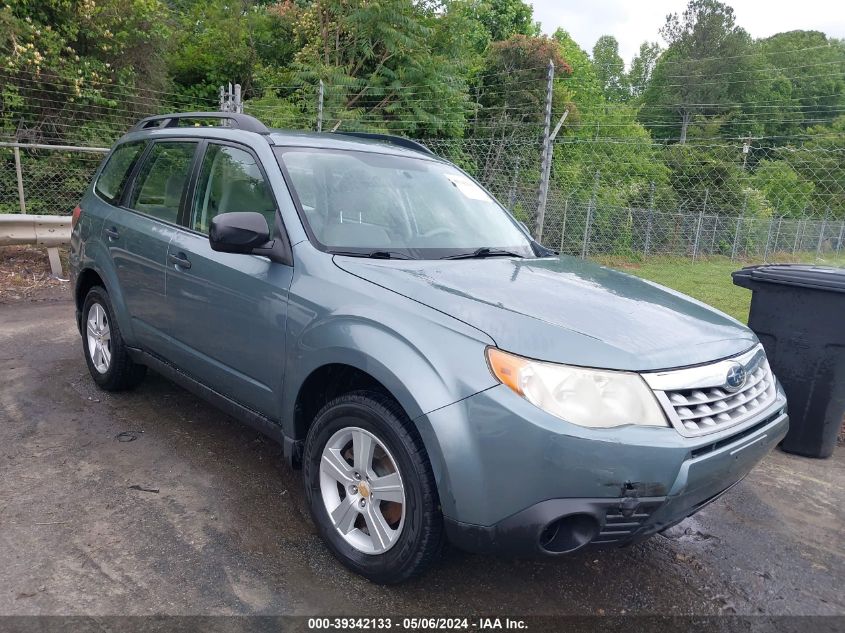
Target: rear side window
column 110, row 183
column 162, row 180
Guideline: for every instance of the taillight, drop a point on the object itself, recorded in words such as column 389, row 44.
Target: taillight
column 77, row 213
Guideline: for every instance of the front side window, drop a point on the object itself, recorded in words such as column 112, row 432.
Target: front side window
column 230, row 181
column 162, row 180
column 110, row 183
column 364, row 202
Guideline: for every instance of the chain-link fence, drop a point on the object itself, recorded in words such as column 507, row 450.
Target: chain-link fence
column 44, row 180
column 607, row 196
column 579, row 220
column 636, row 208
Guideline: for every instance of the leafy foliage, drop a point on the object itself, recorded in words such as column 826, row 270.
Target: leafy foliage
column 667, row 133
column 610, row 69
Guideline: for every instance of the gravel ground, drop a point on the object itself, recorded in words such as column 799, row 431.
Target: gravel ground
column 152, row 502
column 25, row 274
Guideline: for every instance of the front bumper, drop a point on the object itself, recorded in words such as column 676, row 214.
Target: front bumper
column 512, row 480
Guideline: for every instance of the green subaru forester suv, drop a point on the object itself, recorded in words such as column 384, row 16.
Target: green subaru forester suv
column 436, row 373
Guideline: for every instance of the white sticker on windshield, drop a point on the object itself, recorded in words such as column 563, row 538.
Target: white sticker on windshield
column 467, row 187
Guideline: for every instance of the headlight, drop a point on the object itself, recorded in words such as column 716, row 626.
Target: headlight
column 586, row 397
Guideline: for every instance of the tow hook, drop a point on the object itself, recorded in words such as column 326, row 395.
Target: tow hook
column 629, row 504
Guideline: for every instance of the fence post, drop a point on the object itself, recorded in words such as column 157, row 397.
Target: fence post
column 19, row 174
column 768, row 237
column 697, row 235
column 841, row 232
column 320, row 107
column 738, row 224
column 512, row 196
column 736, row 235
column 698, row 226
column 650, row 218
column 715, row 229
column 821, row 233
column 563, row 226
column 545, row 169
column 239, row 104
column 586, row 245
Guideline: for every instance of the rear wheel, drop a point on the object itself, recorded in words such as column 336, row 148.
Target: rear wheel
column 105, row 352
column 370, row 488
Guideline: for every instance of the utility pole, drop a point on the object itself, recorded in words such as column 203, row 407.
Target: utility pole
column 746, row 148
column 230, row 99
column 320, row 107
column 543, row 193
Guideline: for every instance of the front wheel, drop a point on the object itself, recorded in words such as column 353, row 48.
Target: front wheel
column 370, row 488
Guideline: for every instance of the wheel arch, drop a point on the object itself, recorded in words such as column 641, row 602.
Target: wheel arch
column 342, row 375
column 87, row 278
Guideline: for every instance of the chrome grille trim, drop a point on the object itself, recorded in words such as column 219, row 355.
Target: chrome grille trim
column 697, row 401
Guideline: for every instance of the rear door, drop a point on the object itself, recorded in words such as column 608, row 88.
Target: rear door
column 229, row 310
column 137, row 235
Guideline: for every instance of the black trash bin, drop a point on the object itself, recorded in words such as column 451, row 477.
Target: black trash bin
column 798, row 313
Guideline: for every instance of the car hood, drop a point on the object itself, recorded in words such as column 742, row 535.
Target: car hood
column 566, row 310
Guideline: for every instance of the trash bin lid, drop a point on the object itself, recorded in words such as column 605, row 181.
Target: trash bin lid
column 804, row 275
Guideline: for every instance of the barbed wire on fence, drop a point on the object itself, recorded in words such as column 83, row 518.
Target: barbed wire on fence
column 609, row 193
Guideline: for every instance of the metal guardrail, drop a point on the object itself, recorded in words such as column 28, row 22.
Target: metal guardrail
column 50, row 231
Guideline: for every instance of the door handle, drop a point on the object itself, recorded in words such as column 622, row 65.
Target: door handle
column 179, row 260
column 112, row 233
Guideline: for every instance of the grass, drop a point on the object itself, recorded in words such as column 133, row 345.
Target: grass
column 708, row 280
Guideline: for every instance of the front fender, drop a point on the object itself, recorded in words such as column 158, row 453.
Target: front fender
column 424, row 371
column 426, row 359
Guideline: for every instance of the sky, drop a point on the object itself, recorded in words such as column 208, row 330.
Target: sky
column 634, row 21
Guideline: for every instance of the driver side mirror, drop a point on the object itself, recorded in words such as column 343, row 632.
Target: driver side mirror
column 239, row 233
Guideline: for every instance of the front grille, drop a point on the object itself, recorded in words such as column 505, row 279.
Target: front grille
column 709, row 409
column 698, row 400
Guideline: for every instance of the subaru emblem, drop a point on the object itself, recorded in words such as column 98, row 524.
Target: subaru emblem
column 735, row 378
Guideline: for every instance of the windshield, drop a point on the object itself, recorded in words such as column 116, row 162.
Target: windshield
column 379, row 205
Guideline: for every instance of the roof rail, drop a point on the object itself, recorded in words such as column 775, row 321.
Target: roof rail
column 400, row 141
column 235, row 120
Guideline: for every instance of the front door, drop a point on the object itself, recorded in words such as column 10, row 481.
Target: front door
column 229, row 310
column 139, row 232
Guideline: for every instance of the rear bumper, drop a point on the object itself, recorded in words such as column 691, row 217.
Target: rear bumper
column 560, row 526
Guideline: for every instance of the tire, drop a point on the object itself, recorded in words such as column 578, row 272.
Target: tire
column 117, row 371
column 418, row 535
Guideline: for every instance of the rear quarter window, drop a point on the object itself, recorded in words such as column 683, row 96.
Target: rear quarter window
column 113, row 177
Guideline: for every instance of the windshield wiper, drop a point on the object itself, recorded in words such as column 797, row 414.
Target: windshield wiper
column 481, row 253
column 373, row 254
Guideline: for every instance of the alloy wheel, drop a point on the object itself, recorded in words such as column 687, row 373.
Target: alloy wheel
column 362, row 490
column 99, row 338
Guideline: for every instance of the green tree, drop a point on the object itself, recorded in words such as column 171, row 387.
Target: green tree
column 515, row 80
column 785, row 190
column 381, row 66
column 821, row 160
column 711, row 64
column 79, row 71
column 642, row 67
column 221, row 41
column 808, row 78
column 505, row 18
column 610, row 69
column 582, row 85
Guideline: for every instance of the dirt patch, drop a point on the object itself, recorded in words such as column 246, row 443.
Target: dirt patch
column 25, row 275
